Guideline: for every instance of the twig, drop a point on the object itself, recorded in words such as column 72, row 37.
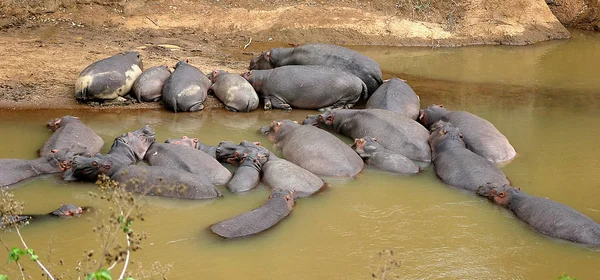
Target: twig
column 126, row 259
column 152, row 21
column 18, row 264
column 248, row 43
column 37, row 261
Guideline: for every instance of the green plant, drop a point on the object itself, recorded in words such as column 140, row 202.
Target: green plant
column 564, row 276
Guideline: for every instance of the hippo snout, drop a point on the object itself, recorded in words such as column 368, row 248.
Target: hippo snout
column 264, row 130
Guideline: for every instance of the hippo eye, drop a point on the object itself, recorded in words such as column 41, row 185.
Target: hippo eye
column 94, row 163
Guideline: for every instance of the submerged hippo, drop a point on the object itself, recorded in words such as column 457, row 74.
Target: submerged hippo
column 188, row 159
column 379, row 157
column 456, row 165
column 396, row 95
column 69, row 131
column 236, row 93
column 148, row 86
column 282, row 174
column 194, row 143
column 546, row 216
column 393, row 131
column 365, row 68
column 247, row 176
column 278, row 206
column 109, row 78
column 186, row 89
column 64, row 211
column 314, row 149
column 17, row 170
column 306, row 87
column 480, row 136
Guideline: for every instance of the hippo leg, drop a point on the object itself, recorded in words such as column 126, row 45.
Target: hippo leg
column 268, row 105
column 196, row 107
column 280, row 104
column 231, row 109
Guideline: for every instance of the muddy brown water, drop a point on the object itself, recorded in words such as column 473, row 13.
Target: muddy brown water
column 545, row 98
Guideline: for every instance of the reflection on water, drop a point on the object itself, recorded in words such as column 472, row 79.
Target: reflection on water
column 435, row 231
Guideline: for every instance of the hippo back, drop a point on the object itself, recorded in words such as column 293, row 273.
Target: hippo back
column 396, row 95
column 282, row 174
column 186, row 89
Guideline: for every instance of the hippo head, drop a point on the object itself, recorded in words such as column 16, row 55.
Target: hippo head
column 185, row 141
column 214, row 74
column 135, row 57
column 181, row 63
column 365, row 147
column 326, row 119
column 57, row 123
column 275, row 127
column 88, row 168
column 432, row 114
column 261, row 62
column 137, row 141
column 255, row 146
column 253, row 158
column 229, row 152
column 288, row 195
column 62, row 158
column 500, row 195
column 311, row 120
column 445, row 132
column 68, row 210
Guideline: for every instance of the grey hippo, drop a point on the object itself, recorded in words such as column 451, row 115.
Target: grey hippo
column 396, row 95
column 194, row 143
column 247, row 175
column 367, row 69
column 236, row 93
column 69, row 131
column 186, row 89
column 148, row 86
column 64, row 211
column 109, row 78
column 379, row 157
column 279, row 173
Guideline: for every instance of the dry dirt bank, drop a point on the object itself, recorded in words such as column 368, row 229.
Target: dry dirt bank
column 44, row 44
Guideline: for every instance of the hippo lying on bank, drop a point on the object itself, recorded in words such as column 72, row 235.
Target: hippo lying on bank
column 546, row 216
column 379, row 157
column 17, row 170
column 278, row 206
column 194, row 143
column 458, row 166
column 70, row 131
column 392, row 130
column 148, row 86
column 314, row 149
column 186, row 89
column 109, row 78
column 396, row 95
column 236, row 93
column 282, row 174
column 365, row 68
column 480, row 136
column 306, row 87
column 188, row 159
column 64, row 211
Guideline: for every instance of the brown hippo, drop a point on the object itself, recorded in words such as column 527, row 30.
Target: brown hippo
column 278, row 206
column 396, row 95
column 281, row 174
column 379, row 157
column 546, row 216
column 64, row 211
column 365, row 68
column 314, row 149
column 186, row 89
column 458, row 166
column 236, row 93
column 480, row 136
column 306, row 87
column 109, row 78
column 69, row 131
column 393, row 130
column 148, row 86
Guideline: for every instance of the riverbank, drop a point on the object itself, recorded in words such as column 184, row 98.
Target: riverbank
column 45, row 44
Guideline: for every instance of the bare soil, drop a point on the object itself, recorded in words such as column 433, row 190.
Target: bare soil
column 45, row 44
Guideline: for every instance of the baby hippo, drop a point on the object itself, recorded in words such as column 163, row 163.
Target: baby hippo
column 547, row 216
column 148, row 86
column 234, row 91
column 379, row 157
column 247, row 176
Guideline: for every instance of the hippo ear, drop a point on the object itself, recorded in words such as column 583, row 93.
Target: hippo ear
column 256, row 143
column 187, row 61
column 295, row 121
column 279, row 124
column 441, row 105
column 501, row 195
column 461, row 136
column 320, row 119
column 268, row 56
column 94, row 163
column 54, row 151
column 374, row 139
column 330, row 118
column 493, row 191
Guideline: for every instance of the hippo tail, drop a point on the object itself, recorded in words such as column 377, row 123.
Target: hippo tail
column 365, row 91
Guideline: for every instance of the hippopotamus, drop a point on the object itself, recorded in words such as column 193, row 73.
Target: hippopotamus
column 282, row 174
column 314, row 149
column 69, row 131
column 379, row 157
column 546, row 216
column 232, row 153
column 480, row 136
column 393, row 130
column 17, row 170
column 194, row 143
column 64, row 211
column 109, row 78
column 236, row 93
column 306, row 87
column 148, row 86
column 396, row 95
column 458, row 166
column 247, row 176
column 278, row 206
column 127, row 149
column 186, row 89
column 367, row 69
column 188, row 159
